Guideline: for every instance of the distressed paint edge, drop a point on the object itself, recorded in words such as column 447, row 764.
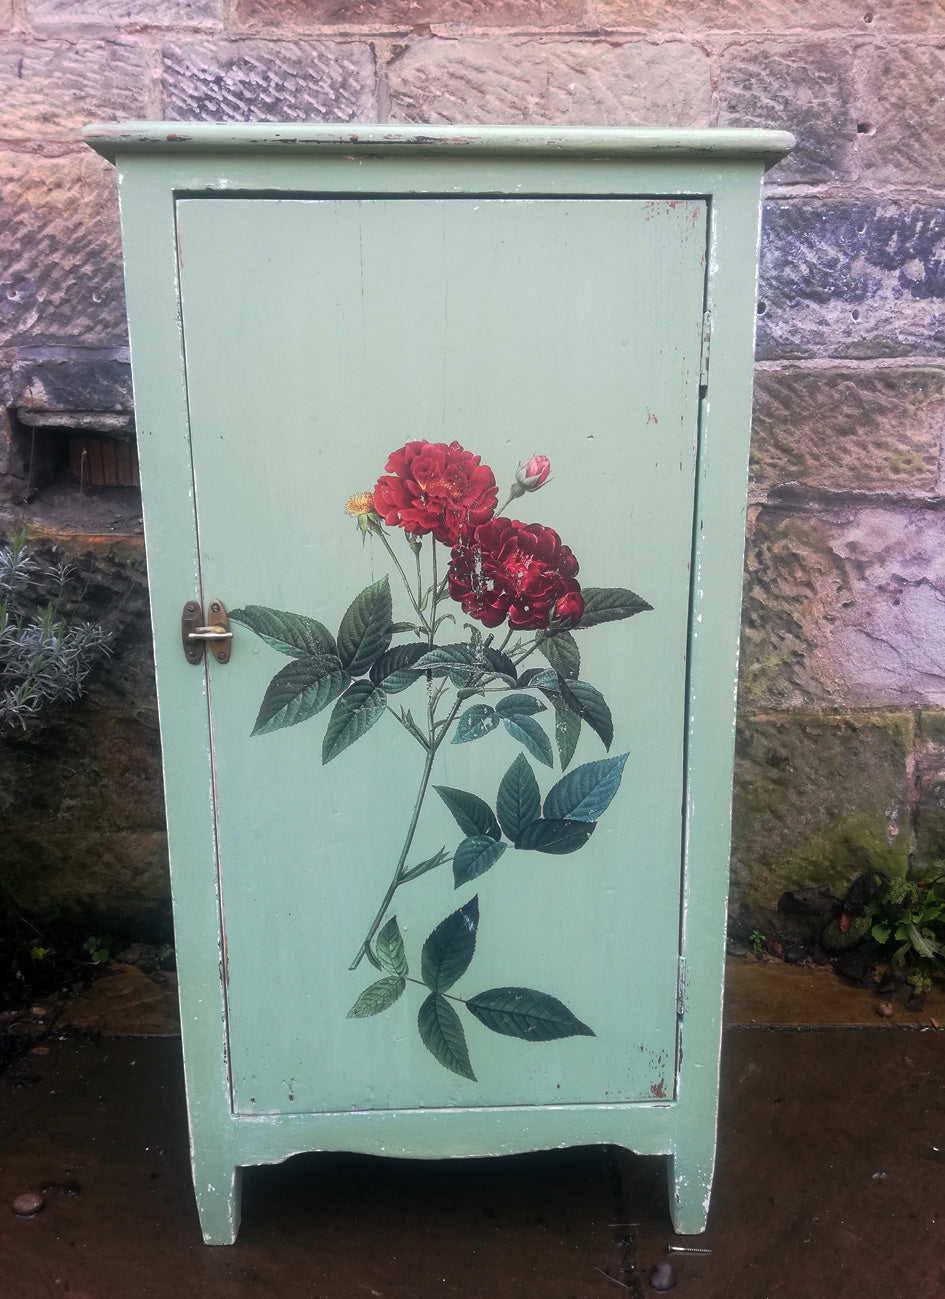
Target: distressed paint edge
column 116, row 138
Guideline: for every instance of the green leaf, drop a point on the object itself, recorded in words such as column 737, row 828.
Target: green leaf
column 517, row 704
column 390, row 948
column 527, row 731
column 555, row 836
column 449, row 949
column 881, row 932
column 379, row 996
column 561, row 651
column 526, row 1014
column 443, row 658
column 358, row 709
column 584, row 793
column 475, row 722
column 925, row 946
column 394, row 669
column 365, row 629
column 289, row 633
column 567, row 730
column 541, row 679
column 298, row 691
column 589, row 703
column 500, row 664
column 473, row 815
column 609, row 604
column 519, row 800
column 474, row 857
column 442, row 1034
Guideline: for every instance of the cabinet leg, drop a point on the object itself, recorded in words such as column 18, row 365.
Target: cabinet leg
column 690, row 1183
column 218, row 1188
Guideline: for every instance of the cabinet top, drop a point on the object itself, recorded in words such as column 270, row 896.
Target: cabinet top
column 116, row 139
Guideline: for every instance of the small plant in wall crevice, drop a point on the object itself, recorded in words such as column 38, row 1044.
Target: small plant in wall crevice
column 902, row 917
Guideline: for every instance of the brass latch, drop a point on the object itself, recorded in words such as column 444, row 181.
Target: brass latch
column 195, row 631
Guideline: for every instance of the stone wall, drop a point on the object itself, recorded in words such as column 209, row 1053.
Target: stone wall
column 841, row 754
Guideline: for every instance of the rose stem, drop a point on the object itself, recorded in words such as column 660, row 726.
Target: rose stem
column 413, row 600
column 395, row 882
column 434, row 741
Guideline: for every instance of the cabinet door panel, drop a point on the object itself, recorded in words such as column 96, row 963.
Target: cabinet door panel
column 321, row 336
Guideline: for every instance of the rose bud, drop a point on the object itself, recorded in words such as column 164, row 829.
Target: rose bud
column 533, row 473
column 568, row 610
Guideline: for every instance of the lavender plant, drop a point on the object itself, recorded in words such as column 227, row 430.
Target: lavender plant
column 44, row 657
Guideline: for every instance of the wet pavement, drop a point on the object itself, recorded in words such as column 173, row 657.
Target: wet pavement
column 830, row 1178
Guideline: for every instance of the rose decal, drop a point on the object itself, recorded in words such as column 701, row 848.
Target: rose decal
column 463, row 558
column 435, row 487
column 515, row 571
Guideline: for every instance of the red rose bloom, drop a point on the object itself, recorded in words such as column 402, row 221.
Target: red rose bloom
column 432, row 487
column 518, row 571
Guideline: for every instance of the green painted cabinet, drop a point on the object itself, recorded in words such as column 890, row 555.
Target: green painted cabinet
column 453, row 426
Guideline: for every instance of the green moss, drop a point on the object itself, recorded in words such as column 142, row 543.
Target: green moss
column 817, row 800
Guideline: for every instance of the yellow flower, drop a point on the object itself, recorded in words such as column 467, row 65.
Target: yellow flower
column 360, row 503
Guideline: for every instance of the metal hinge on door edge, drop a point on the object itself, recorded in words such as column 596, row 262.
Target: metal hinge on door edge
column 195, row 631
column 706, row 343
column 682, row 988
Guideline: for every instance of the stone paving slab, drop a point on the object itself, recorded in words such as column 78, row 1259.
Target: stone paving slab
column 830, row 1181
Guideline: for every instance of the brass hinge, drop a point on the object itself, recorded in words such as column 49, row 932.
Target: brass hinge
column 706, row 342
column 196, row 631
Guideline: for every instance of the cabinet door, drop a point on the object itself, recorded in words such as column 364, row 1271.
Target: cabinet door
column 322, row 335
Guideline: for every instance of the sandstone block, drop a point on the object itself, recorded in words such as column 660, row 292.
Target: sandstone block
column 69, row 384
column 817, row 800
column 852, row 428
column 6, row 14
column 806, row 88
column 409, row 13
column 844, row 609
column 851, row 280
column 102, row 881
column 60, row 252
column 847, row 16
column 51, row 88
column 930, row 784
column 558, row 82
column 902, row 115
column 81, row 796
column 125, row 13
column 256, row 81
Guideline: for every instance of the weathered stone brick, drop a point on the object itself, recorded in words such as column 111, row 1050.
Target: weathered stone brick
column 930, row 785
column 817, row 800
column 806, row 88
column 121, row 13
column 255, row 81
column 72, row 385
column 51, row 88
column 851, row 280
column 769, row 15
column 60, row 252
column 845, row 609
column 6, row 14
column 409, row 13
column 112, row 881
column 902, row 115
column 849, row 428
column 580, row 82
column 81, row 800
